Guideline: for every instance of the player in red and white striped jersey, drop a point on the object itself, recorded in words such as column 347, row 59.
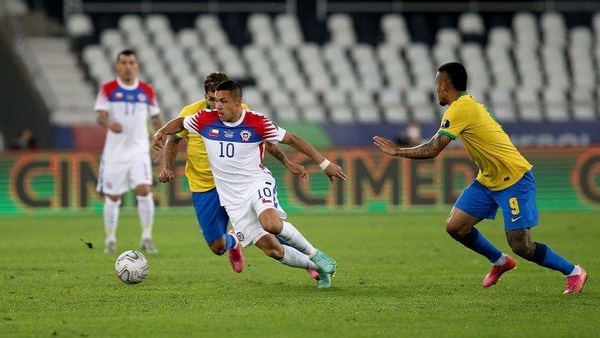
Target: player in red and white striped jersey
column 234, row 142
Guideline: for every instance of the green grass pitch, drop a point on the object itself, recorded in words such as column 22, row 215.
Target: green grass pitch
column 399, row 275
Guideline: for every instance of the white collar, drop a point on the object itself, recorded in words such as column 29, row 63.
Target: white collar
column 135, row 84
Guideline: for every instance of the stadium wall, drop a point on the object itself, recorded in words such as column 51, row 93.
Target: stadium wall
column 42, row 183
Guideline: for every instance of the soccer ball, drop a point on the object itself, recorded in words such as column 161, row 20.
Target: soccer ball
column 132, row 267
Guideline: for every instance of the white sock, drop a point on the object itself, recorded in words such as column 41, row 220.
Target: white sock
column 500, row 261
column 111, row 218
column 576, row 271
column 145, row 206
column 297, row 259
column 290, row 234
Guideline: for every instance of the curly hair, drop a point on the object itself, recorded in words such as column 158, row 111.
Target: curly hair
column 213, row 79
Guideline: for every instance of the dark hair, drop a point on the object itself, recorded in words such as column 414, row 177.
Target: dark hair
column 125, row 52
column 456, row 73
column 213, row 79
column 232, row 86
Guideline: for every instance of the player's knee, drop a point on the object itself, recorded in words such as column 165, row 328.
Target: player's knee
column 114, row 198
column 273, row 226
column 455, row 232
column 142, row 190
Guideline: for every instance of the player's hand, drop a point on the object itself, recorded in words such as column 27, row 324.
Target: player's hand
column 334, row 170
column 115, row 127
column 166, row 176
column 385, row 145
column 298, row 169
column 158, row 140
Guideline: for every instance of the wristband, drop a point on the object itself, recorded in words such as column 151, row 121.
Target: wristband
column 324, row 164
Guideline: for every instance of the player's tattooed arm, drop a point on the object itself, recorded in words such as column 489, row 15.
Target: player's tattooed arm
column 296, row 169
column 423, row 151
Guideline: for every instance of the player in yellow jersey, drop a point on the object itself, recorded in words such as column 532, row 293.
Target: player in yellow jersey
column 212, row 217
column 505, row 180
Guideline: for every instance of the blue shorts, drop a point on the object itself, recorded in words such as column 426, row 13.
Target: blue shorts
column 517, row 203
column 212, row 217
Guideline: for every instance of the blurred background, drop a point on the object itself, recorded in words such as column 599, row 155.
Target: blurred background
column 334, row 72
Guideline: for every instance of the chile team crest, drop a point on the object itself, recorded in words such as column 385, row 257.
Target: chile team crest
column 245, row 134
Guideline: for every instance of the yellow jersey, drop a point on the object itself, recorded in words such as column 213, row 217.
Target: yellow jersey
column 197, row 168
column 500, row 163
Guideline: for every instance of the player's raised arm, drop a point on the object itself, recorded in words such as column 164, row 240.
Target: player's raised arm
column 331, row 169
column 294, row 168
column 172, row 127
column 427, row 150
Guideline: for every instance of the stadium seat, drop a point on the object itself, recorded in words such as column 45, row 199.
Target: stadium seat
column 448, row 37
column 583, row 107
column 314, row 114
column 555, row 104
column 334, row 97
column 554, row 29
column 130, row 23
column 305, row 98
column 443, row 54
column 388, row 97
column 341, row 29
column 529, row 105
column 367, row 114
column 261, row 29
column 395, row 30
column 278, row 98
column 157, row 24
column 471, row 23
column 254, row 97
column 211, row 31
column 419, row 101
column 285, row 114
column 395, row 114
column 79, row 25
column 342, row 114
column 111, row 37
column 526, row 29
column 289, row 30
column 500, row 37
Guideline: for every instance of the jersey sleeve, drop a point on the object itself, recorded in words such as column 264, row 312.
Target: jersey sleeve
column 102, row 102
column 272, row 132
column 153, row 102
column 192, row 123
column 453, row 122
